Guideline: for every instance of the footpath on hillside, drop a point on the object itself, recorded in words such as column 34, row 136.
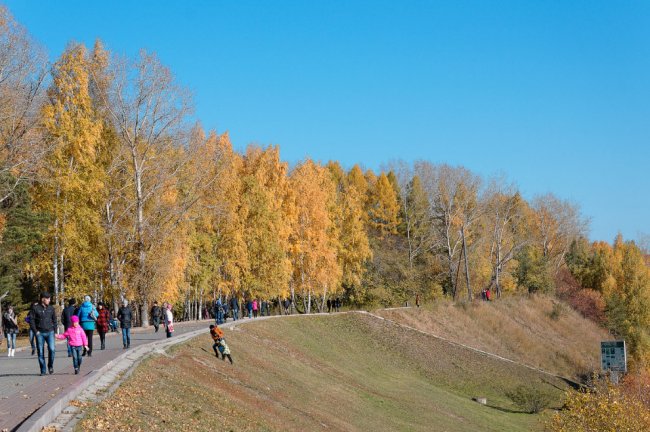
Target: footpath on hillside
column 23, row 392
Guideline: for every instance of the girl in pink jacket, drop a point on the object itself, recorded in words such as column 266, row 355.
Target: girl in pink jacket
column 77, row 340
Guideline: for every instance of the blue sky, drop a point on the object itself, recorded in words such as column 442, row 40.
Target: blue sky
column 554, row 94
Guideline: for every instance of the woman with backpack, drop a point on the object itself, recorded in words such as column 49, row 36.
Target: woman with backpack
column 88, row 318
column 10, row 326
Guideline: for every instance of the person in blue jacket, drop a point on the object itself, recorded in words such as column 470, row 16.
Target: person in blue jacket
column 87, row 314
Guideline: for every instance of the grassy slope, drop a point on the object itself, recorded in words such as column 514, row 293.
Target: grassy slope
column 349, row 372
column 519, row 328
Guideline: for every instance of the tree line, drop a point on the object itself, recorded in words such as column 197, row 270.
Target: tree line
column 108, row 188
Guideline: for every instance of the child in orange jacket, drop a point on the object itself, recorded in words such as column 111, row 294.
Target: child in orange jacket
column 219, row 345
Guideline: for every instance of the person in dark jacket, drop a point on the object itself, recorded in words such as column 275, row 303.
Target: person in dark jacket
column 125, row 316
column 103, row 320
column 32, row 335
column 10, row 325
column 329, row 305
column 43, row 323
column 234, row 306
column 66, row 315
column 156, row 314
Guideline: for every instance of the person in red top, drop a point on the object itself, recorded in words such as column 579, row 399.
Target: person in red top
column 103, row 320
column 77, row 340
column 488, row 295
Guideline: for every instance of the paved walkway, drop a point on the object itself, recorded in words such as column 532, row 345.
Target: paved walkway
column 23, row 391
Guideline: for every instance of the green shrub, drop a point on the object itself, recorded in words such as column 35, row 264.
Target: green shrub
column 529, row 399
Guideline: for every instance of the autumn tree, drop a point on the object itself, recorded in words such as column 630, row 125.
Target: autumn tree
column 349, row 217
column 314, row 237
column 147, row 110
column 23, row 74
column 556, row 223
column 628, row 304
column 383, row 207
column 455, row 207
column 72, row 181
column 507, row 225
column 267, row 221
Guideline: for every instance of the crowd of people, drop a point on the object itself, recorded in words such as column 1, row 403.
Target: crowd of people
column 79, row 322
column 234, row 308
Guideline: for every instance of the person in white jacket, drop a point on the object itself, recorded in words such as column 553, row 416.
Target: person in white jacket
column 169, row 320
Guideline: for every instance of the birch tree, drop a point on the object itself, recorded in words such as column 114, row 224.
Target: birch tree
column 23, row 76
column 148, row 110
column 506, row 221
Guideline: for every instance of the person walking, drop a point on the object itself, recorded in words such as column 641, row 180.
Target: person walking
column 32, row 335
column 76, row 337
column 87, row 319
column 125, row 316
column 43, row 323
column 417, row 300
column 10, row 327
column 249, row 308
column 103, row 320
column 66, row 314
column 218, row 311
column 329, row 306
column 234, row 307
column 169, row 320
column 338, row 304
column 255, row 308
column 156, row 314
column 286, row 306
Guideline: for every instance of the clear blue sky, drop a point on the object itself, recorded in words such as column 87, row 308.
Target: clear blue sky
column 554, row 94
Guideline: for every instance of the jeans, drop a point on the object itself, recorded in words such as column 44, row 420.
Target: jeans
column 235, row 314
column 156, row 323
column 41, row 338
column 126, row 336
column 219, row 317
column 76, row 356
column 11, row 340
column 32, row 339
column 89, row 336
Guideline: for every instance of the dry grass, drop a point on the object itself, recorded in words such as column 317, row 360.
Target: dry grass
column 346, row 372
column 537, row 331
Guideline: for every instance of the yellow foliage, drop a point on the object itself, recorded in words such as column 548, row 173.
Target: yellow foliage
column 604, row 408
column 314, row 240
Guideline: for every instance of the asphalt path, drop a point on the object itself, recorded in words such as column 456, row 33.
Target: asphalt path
column 23, row 391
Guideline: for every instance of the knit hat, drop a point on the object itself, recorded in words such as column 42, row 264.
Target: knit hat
column 74, row 318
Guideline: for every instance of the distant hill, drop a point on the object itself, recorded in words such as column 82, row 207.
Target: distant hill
column 538, row 331
column 355, row 372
